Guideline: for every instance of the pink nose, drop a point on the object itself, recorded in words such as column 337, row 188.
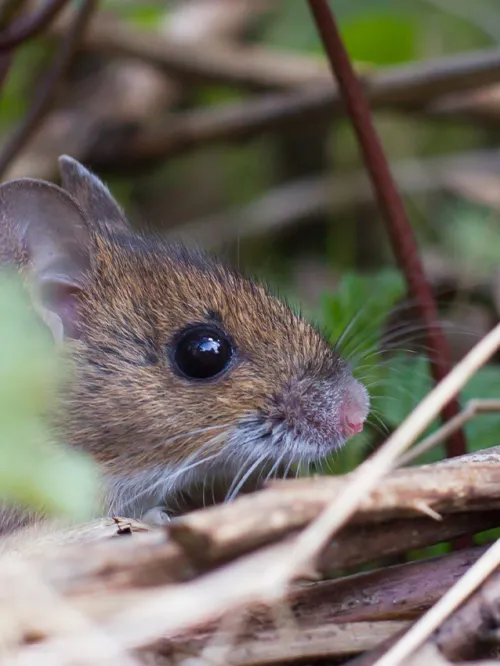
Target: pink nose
column 354, row 411
column 353, row 427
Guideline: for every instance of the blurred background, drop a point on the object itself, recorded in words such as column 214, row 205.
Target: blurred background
column 217, row 121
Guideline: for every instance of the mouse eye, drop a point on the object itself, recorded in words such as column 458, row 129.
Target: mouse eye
column 202, row 353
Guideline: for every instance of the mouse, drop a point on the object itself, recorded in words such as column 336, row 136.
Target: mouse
column 183, row 368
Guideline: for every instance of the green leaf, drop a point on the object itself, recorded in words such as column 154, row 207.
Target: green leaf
column 357, row 312
column 35, row 471
column 381, row 38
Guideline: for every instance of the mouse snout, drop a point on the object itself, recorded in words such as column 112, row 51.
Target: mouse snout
column 311, row 418
column 353, row 409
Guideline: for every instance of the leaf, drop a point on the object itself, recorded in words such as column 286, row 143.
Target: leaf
column 381, row 39
column 357, row 312
column 35, row 471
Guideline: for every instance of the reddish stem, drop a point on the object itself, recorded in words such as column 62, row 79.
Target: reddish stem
column 390, row 203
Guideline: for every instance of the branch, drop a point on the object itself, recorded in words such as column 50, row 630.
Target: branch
column 27, row 27
column 48, row 90
column 287, row 506
column 299, row 200
column 251, row 68
column 390, row 203
column 473, row 625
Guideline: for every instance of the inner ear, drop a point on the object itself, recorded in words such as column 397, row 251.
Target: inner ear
column 49, row 232
column 99, row 206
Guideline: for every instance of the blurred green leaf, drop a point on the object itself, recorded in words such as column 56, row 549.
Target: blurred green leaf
column 356, row 315
column 35, row 471
column 18, row 88
column 381, row 38
column 357, row 312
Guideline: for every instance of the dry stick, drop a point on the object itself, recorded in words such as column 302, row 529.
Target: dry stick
column 391, row 205
column 368, row 475
column 472, row 409
column 288, row 204
column 470, row 483
column 414, row 84
column 424, row 627
column 471, row 628
column 181, row 133
column 26, row 27
column 46, row 94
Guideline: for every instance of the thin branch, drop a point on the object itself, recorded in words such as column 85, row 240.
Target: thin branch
column 472, row 409
column 298, row 200
column 474, row 623
column 401, row 235
column 253, row 69
column 48, row 90
column 424, row 627
column 27, row 27
column 370, row 473
column 285, row 507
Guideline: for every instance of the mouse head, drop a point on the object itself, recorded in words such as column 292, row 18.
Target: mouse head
column 181, row 364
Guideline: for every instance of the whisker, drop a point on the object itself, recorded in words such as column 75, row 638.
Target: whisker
column 252, row 468
column 199, row 431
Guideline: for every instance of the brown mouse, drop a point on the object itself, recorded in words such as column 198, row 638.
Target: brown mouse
column 182, row 367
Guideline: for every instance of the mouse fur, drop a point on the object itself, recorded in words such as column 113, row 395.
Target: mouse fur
column 116, row 299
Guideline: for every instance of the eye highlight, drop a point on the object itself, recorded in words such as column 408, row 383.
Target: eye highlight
column 202, row 352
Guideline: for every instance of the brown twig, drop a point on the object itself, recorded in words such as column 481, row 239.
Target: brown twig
column 472, row 625
column 47, row 91
column 287, row 506
column 299, row 200
column 472, row 409
column 391, row 205
column 26, row 27
column 254, row 69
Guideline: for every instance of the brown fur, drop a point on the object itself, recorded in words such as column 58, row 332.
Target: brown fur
column 141, row 294
column 126, row 404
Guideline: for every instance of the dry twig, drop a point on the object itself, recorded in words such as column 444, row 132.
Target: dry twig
column 46, row 93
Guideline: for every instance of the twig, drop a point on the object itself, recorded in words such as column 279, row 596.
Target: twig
column 401, row 592
column 472, row 409
column 369, row 474
column 348, row 550
column 391, row 205
column 319, row 642
column 46, row 94
column 301, row 199
column 473, row 625
column 424, row 627
column 472, row 483
column 414, row 84
column 247, row 67
column 26, row 27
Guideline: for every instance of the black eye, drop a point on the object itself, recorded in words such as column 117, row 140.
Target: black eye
column 202, row 353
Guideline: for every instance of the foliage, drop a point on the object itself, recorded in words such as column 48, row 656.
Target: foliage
column 34, row 471
column 360, row 308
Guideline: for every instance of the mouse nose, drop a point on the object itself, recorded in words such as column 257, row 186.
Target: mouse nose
column 354, row 410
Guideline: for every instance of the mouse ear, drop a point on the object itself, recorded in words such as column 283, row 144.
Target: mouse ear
column 98, row 204
column 49, row 228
